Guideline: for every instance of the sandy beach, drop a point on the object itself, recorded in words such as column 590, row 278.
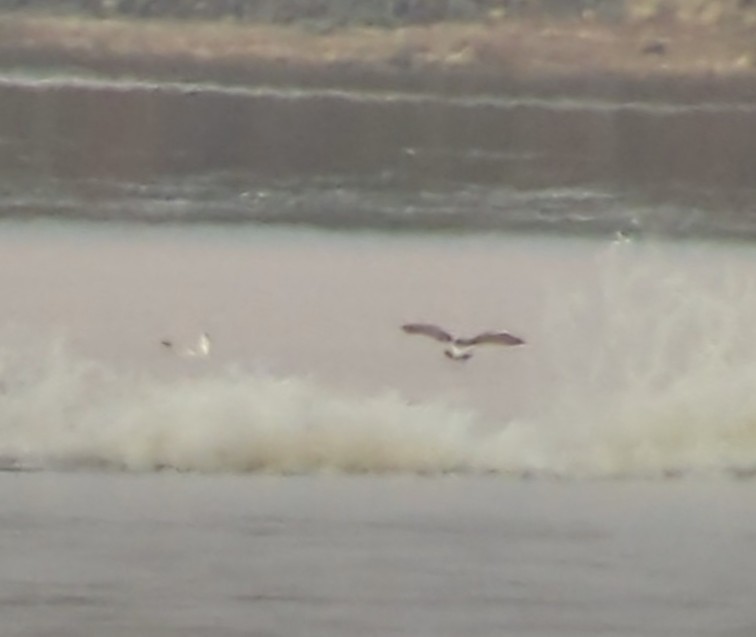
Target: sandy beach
column 652, row 56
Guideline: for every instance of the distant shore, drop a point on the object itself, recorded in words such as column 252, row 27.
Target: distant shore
column 578, row 55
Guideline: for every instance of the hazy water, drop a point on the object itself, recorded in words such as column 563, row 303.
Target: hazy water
column 184, row 554
column 128, row 150
column 137, row 213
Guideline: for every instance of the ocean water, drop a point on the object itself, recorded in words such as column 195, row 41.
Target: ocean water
column 321, row 472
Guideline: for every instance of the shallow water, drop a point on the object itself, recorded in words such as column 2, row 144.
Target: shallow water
column 183, row 554
column 102, row 149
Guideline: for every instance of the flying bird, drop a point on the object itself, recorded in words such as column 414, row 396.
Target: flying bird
column 200, row 350
column 461, row 349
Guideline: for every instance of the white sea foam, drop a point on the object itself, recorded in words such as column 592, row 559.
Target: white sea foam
column 72, row 413
column 649, row 370
column 665, row 380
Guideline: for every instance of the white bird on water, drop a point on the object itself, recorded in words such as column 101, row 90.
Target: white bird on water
column 461, row 349
column 200, row 350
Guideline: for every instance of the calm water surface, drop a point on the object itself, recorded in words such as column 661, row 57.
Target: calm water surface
column 177, row 554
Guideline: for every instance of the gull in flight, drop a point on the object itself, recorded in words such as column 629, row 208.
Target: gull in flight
column 200, row 350
column 461, row 349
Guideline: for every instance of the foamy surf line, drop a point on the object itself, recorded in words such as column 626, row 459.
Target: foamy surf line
column 58, row 81
column 66, row 413
column 234, row 422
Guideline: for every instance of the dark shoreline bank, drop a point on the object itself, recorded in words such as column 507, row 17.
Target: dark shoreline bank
column 324, row 14
column 552, row 126
column 515, row 58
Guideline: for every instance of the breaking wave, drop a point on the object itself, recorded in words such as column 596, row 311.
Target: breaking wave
column 652, row 374
column 70, row 413
column 77, row 415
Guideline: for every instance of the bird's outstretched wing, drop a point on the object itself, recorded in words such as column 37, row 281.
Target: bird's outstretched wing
column 492, row 338
column 428, row 330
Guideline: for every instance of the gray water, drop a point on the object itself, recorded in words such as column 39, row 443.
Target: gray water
column 134, row 151
column 182, row 554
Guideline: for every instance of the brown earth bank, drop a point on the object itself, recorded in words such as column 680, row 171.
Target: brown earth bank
column 688, row 50
column 389, row 13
